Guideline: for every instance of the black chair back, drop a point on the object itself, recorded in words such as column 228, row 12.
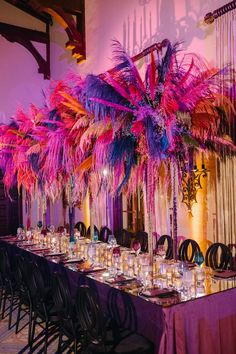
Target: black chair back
column 90, row 314
column 187, row 250
column 218, row 256
column 95, row 230
column 232, row 247
column 142, row 237
column 162, row 240
column 104, row 234
column 5, row 263
column 80, row 226
column 124, row 238
column 61, row 295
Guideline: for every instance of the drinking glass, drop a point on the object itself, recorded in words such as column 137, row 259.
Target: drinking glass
column 19, row 233
column 28, row 236
column 95, row 236
column 136, row 247
column 161, row 252
column 112, row 240
column 116, row 259
column 51, row 228
column 188, row 282
column 199, row 258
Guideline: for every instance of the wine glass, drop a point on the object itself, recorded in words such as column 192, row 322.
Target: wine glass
column 116, row 259
column 51, row 229
column 95, row 236
column 136, row 247
column 161, row 252
column 19, row 233
column 112, row 240
column 199, row 258
column 28, row 236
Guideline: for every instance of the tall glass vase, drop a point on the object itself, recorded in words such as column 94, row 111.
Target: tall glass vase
column 71, row 223
column 174, row 213
column 150, row 210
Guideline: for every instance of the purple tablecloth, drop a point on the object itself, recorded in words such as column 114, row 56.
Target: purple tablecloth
column 203, row 326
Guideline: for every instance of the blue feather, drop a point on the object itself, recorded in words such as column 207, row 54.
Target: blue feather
column 95, row 87
column 123, row 149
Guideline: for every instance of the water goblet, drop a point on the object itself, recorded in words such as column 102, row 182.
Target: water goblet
column 116, row 259
column 161, row 252
column 112, row 240
column 51, row 228
column 199, row 258
column 28, row 236
column 136, row 247
column 19, row 233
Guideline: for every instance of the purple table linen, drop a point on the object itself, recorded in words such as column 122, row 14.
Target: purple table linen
column 203, row 326
column 206, row 325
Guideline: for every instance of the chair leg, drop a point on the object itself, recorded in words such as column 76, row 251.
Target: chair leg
column 4, row 305
column 10, row 311
column 18, row 318
column 46, row 338
column 30, row 323
column 59, row 342
column 75, row 346
column 1, row 296
column 32, row 332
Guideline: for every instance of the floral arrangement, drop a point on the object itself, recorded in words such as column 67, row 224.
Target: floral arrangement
column 136, row 127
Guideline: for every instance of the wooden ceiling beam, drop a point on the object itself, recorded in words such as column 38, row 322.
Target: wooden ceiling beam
column 23, row 6
column 25, row 37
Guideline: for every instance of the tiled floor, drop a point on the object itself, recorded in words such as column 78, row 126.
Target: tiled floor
column 11, row 343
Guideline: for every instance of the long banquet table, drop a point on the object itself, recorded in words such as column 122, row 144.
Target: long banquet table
column 205, row 325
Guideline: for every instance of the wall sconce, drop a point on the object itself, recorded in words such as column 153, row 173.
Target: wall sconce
column 191, row 184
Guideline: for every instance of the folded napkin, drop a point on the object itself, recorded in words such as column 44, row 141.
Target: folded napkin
column 53, row 254
column 38, row 249
column 224, row 274
column 87, row 270
column 190, row 264
column 160, row 293
column 120, row 279
column 72, row 260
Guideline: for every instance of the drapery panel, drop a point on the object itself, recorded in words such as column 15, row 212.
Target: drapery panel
column 225, row 36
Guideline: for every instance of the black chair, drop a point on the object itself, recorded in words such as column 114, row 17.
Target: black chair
column 187, row 250
column 80, row 226
column 95, row 231
column 44, row 313
column 142, row 237
column 124, row 238
column 98, row 338
column 65, row 307
column 25, row 305
column 104, row 234
column 9, row 291
column 232, row 247
column 218, row 256
column 166, row 239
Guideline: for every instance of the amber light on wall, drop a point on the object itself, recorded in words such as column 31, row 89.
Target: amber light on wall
column 192, row 182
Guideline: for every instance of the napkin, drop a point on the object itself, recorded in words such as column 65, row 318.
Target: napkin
column 224, row 274
column 160, row 293
column 119, row 279
column 72, row 260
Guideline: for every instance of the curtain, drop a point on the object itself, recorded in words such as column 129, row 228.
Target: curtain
column 225, row 35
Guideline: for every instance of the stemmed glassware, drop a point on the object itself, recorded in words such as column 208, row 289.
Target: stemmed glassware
column 28, row 235
column 136, row 247
column 116, row 259
column 112, row 240
column 199, row 258
column 161, row 252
